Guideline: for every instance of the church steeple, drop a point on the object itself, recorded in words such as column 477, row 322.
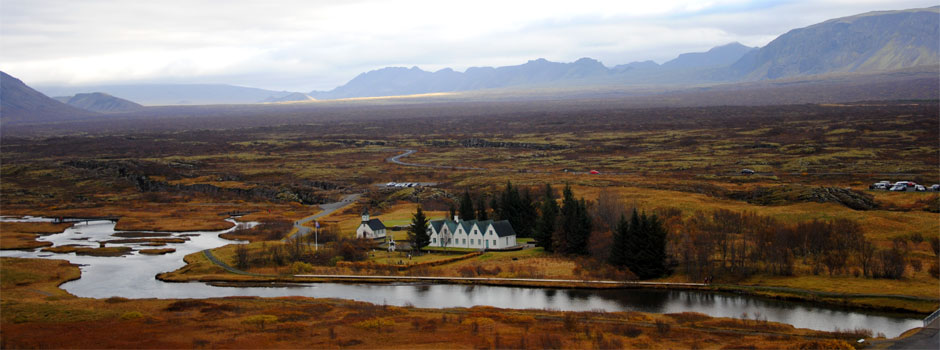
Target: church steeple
column 365, row 215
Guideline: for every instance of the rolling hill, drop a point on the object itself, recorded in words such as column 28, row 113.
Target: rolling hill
column 173, row 94
column 100, row 102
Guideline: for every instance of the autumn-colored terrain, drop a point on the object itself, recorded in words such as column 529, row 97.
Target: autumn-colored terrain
column 37, row 314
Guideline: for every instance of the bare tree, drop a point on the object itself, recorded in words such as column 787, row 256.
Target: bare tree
column 242, row 256
column 607, row 211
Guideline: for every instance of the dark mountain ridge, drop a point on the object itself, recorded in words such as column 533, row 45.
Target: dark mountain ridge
column 20, row 103
column 870, row 42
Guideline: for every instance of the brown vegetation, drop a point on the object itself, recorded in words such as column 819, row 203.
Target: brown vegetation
column 29, row 322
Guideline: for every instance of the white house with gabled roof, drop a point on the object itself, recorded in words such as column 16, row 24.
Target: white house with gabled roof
column 486, row 234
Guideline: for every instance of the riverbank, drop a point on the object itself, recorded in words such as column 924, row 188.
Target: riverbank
column 199, row 267
column 36, row 313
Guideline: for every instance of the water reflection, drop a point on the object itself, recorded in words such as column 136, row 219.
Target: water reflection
column 132, row 276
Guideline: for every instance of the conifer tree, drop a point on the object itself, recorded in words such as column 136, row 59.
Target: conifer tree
column 575, row 227
column 466, row 207
column 618, row 249
column 481, row 209
column 548, row 215
column 418, row 231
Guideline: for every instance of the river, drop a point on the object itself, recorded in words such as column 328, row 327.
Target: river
column 132, row 276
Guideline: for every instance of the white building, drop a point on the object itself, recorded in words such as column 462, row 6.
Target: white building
column 370, row 229
column 486, row 234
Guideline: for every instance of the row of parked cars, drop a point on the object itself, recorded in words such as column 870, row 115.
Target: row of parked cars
column 402, row 184
column 903, row 186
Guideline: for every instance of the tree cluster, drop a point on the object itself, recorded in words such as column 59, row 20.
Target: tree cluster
column 640, row 245
column 728, row 243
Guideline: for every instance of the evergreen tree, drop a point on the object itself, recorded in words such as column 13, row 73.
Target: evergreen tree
column 645, row 246
column 632, row 242
column 528, row 216
column 618, row 249
column 481, row 209
column 656, row 247
column 494, row 206
column 466, row 207
column 582, row 229
column 575, row 227
column 418, row 231
column 545, row 225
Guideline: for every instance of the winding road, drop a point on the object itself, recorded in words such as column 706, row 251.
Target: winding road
column 328, row 209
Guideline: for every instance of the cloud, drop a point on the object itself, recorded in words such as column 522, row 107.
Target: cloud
column 304, row 45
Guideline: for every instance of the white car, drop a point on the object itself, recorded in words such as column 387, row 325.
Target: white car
column 920, row 188
column 899, row 188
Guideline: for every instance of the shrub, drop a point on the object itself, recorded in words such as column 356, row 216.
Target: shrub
column 259, row 320
column 301, row 267
column 376, row 324
column 550, row 341
column 629, row 331
column 663, row 327
column 131, row 315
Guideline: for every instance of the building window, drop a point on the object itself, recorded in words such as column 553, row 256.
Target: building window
column 494, row 242
column 464, row 241
column 433, row 240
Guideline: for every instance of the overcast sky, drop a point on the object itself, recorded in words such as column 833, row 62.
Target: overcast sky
column 308, row 45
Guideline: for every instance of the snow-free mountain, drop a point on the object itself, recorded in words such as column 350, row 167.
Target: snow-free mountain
column 874, row 41
column 173, row 94
column 20, row 103
column 100, row 102
column 865, row 43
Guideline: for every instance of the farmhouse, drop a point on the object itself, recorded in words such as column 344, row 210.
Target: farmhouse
column 486, row 234
column 370, row 228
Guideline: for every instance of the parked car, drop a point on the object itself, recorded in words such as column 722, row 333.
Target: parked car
column 880, row 185
column 898, row 188
column 935, row 187
column 920, row 188
column 908, row 184
column 594, row 172
column 747, row 172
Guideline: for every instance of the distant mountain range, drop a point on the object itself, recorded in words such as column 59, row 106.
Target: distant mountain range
column 874, row 42
column 100, row 102
column 870, row 42
column 173, row 94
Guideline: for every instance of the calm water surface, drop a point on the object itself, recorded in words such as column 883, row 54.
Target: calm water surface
column 132, row 276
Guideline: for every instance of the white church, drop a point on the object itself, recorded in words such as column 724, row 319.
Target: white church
column 370, row 228
column 486, row 234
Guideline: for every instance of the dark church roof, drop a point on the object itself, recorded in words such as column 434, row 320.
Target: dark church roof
column 375, row 224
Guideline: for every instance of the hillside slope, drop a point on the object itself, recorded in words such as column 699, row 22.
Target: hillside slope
column 102, row 103
column 21, row 103
column 875, row 41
